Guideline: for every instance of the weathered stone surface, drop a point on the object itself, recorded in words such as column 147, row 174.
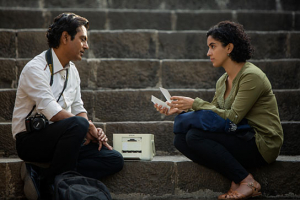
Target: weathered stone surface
column 8, row 73
column 31, row 43
column 11, row 18
column 88, row 99
column 268, row 21
column 288, row 105
column 135, row 105
column 71, row 4
column 250, row 5
column 291, row 138
column 297, row 22
column 269, row 45
column 7, row 99
column 11, row 185
column 291, row 5
column 283, row 74
column 294, row 45
column 185, row 45
column 200, row 21
column 7, row 143
column 190, row 74
column 146, row 178
column 8, row 44
column 139, row 20
column 127, row 74
column 122, row 44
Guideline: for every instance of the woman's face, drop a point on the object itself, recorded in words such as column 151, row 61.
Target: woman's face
column 217, row 53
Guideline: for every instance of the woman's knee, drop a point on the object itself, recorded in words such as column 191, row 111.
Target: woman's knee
column 194, row 137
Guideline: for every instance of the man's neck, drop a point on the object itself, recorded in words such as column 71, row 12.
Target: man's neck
column 61, row 57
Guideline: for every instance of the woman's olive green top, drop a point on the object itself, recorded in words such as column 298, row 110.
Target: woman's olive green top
column 251, row 97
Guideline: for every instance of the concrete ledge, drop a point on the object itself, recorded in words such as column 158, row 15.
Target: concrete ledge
column 170, row 177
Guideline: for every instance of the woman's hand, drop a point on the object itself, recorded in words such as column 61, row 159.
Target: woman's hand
column 165, row 111
column 181, row 103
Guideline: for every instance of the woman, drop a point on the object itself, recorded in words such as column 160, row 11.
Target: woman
column 243, row 92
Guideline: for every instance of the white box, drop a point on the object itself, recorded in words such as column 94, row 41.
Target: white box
column 134, row 146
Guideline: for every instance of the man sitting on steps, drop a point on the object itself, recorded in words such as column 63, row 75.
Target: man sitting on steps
column 57, row 129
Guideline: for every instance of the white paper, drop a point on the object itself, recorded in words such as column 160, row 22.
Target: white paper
column 159, row 102
column 166, row 94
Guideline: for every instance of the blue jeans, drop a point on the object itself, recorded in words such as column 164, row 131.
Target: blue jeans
column 225, row 153
column 61, row 144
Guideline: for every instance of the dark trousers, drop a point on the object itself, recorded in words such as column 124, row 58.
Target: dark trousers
column 225, row 153
column 61, row 144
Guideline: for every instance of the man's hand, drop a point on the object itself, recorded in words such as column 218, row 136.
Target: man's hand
column 96, row 135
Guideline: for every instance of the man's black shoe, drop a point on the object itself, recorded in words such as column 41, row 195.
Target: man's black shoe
column 31, row 181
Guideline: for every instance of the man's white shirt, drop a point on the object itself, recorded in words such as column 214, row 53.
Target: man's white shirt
column 34, row 89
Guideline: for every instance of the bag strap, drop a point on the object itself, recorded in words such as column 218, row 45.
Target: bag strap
column 49, row 60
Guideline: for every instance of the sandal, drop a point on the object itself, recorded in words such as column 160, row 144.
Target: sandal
column 231, row 194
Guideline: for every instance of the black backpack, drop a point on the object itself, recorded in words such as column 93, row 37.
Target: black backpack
column 73, row 186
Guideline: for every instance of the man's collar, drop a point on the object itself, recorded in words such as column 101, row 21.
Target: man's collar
column 56, row 63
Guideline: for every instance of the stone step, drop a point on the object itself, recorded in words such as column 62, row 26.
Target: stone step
column 173, row 177
column 149, row 73
column 111, row 19
column 149, row 44
column 291, row 5
column 162, row 131
column 135, row 104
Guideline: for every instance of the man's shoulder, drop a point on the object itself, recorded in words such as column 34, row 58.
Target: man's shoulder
column 37, row 61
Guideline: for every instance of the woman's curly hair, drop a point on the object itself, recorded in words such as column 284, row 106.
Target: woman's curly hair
column 64, row 22
column 230, row 32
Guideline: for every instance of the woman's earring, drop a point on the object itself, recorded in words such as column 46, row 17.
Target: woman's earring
column 228, row 54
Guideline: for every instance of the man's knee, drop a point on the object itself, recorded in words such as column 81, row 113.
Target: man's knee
column 80, row 124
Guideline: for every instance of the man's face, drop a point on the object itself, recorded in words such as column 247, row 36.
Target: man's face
column 78, row 45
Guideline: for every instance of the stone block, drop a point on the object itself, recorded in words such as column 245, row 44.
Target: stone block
column 20, row 4
column 139, row 20
column 193, row 178
column 122, row 44
column 288, row 105
column 8, row 44
column 31, row 43
column 190, row 74
column 88, row 99
column 7, row 99
column 135, row 105
column 7, row 143
column 85, row 72
column 145, row 178
column 251, row 5
column 266, row 21
column 125, row 105
column 127, row 74
column 8, row 73
column 283, row 74
column 186, row 45
column 17, row 19
column 294, row 45
column 200, row 21
column 162, row 131
column 297, row 21
column 20, row 64
column 291, row 138
column 164, row 4
column 97, row 19
column 11, row 185
column 271, row 45
column 71, row 4
column 290, row 5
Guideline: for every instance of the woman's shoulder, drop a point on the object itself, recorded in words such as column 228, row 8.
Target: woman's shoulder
column 250, row 69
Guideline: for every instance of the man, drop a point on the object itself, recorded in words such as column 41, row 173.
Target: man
column 50, row 86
